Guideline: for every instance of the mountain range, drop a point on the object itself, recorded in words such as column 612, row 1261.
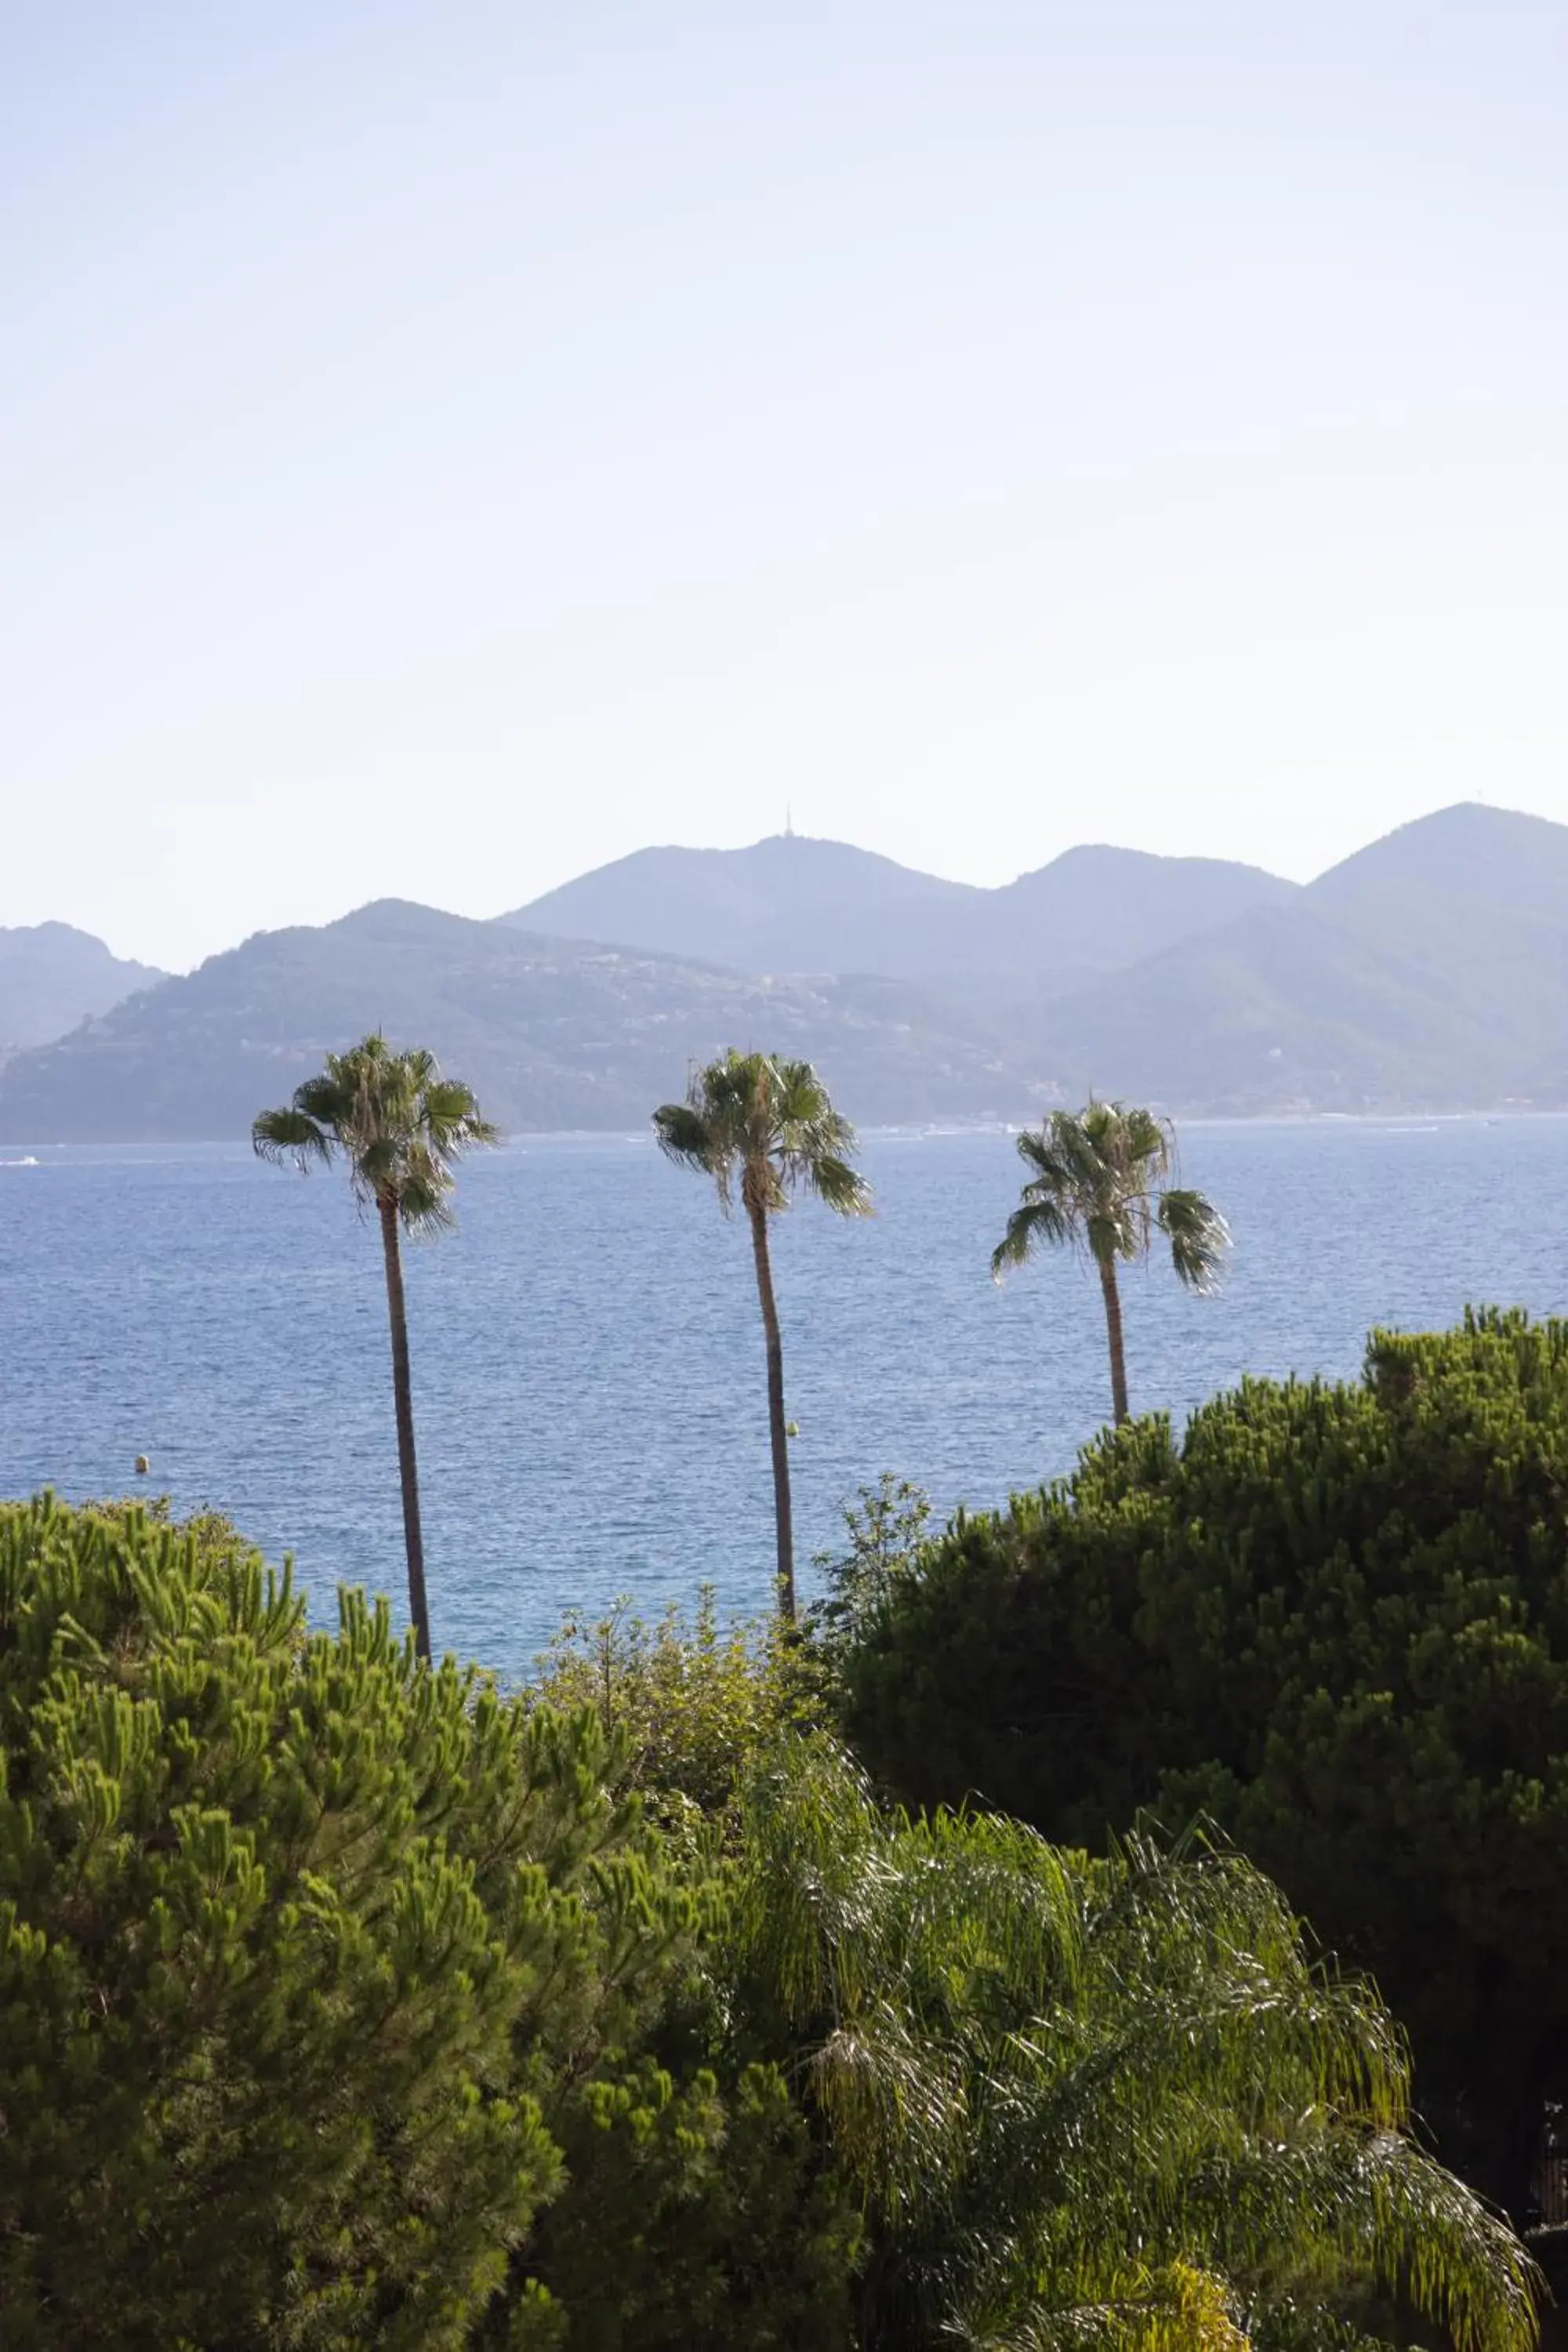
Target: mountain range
column 1426, row 973
column 552, row 1034
column 52, row 976
column 791, row 904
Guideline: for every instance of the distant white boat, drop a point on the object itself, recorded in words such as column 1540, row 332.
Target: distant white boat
column 28, row 1162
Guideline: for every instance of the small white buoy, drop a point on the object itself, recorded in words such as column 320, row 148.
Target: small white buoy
column 792, row 1429
column 142, row 1465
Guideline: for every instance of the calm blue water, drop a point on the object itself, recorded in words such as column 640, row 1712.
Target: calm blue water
column 587, row 1354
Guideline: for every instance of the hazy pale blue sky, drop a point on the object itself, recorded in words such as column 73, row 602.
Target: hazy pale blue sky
column 445, row 447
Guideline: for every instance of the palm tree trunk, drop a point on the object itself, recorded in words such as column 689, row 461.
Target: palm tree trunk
column 1113, row 1332
column 783, row 1523
column 403, row 1398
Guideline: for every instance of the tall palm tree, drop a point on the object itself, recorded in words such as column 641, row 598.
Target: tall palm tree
column 400, row 1127
column 1092, row 2102
column 771, row 1127
column 1098, row 1186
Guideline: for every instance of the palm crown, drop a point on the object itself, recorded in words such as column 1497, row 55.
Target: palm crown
column 1098, row 1186
column 399, row 1124
column 773, row 1123
column 402, row 1128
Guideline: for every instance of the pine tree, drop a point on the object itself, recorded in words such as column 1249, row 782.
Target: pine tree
column 298, row 1943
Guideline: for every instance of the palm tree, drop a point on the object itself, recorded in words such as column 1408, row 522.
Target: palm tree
column 1098, row 1186
column 772, row 1124
column 1091, row 2102
column 400, row 1127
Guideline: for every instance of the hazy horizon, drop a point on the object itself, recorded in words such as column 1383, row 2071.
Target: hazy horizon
column 444, row 454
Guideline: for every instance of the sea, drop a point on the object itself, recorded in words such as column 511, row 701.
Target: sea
column 587, row 1351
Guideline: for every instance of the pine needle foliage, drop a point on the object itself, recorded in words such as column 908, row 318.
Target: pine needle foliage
column 1331, row 1617
column 302, row 1949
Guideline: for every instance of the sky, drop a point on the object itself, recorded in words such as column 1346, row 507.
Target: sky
column 445, row 448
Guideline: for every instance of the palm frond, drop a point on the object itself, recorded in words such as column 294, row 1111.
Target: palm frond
column 1066, row 1185
column 1095, row 2102
column 326, row 1099
column 292, row 1134
column 400, row 1125
column 1198, row 1235
column 1096, row 1185
column 451, row 1118
column 1175, row 2308
column 424, row 1190
column 771, row 1123
column 1321, row 2200
column 1038, row 1222
column 1147, row 1144
column 685, row 1136
column 838, row 1185
column 1057, row 1154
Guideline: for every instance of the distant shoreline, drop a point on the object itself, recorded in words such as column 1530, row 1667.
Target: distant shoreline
column 21, row 1152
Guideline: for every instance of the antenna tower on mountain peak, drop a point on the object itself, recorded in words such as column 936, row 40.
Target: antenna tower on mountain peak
column 789, row 822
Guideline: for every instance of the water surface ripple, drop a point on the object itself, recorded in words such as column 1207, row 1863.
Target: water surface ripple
column 587, row 1353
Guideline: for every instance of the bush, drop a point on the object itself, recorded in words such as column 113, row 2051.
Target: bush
column 884, row 1529
column 343, row 2003
column 310, row 1960
column 1334, row 1619
column 1091, row 2102
column 699, row 2217
column 690, row 1705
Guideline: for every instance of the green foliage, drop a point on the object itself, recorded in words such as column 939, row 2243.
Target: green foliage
column 690, row 1705
column 298, row 1943
column 884, row 1528
column 400, row 1125
column 1334, row 1619
column 343, row 2003
column 1091, row 2102
column 697, row 2220
column 1098, row 1184
column 768, row 1125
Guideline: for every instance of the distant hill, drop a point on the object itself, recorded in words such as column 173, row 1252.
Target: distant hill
column 1097, row 909
column 52, row 976
column 552, row 1034
column 792, row 904
column 1428, row 971
column 786, row 904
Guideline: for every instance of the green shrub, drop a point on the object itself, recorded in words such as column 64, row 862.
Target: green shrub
column 701, row 2217
column 1091, row 2102
column 1334, row 1619
column 884, row 1530
column 689, row 1704
column 343, row 2003
column 298, row 1945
